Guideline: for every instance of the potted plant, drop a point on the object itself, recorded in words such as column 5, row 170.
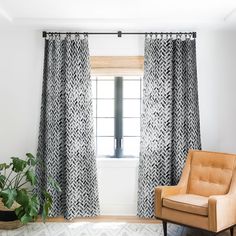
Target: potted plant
column 18, row 203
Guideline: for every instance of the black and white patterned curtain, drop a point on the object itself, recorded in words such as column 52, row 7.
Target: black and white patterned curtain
column 66, row 140
column 170, row 123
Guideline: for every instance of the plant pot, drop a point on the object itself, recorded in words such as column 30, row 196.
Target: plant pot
column 8, row 218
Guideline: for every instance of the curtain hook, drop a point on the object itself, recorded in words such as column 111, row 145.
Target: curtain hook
column 77, row 36
column 50, row 36
column 68, row 35
column 58, row 36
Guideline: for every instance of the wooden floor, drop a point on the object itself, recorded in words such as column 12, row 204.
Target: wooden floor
column 133, row 219
column 128, row 219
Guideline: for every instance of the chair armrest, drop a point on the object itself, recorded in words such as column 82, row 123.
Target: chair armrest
column 164, row 191
column 221, row 211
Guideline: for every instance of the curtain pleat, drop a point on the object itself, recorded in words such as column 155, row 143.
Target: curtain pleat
column 170, row 123
column 66, row 139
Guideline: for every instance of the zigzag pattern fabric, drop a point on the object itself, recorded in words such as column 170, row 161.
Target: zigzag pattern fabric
column 170, row 124
column 66, row 138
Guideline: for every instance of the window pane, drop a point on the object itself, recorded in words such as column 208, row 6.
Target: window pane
column 131, row 108
column 131, row 89
column 131, row 126
column 105, row 146
column 105, row 108
column 105, row 126
column 105, row 89
column 94, row 89
column 131, row 146
column 94, row 108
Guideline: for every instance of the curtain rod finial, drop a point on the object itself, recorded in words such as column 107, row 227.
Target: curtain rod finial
column 44, row 34
column 194, row 35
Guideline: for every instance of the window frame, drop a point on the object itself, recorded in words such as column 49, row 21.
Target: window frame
column 118, row 67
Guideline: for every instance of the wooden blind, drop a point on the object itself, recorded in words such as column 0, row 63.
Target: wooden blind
column 117, row 65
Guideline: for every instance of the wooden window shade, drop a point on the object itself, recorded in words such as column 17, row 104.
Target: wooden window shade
column 117, row 65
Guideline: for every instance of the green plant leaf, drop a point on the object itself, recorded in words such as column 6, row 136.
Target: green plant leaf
column 19, row 212
column 33, row 210
column 30, row 155
column 35, row 199
column 30, row 176
column 25, row 218
column 2, row 181
column 48, row 197
column 4, row 166
column 33, row 206
column 18, row 164
column 8, row 197
column 22, row 197
column 45, row 211
column 32, row 162
column 31, row 159
column 54, row 184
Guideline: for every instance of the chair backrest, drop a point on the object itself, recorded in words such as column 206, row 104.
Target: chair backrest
column 210, row 173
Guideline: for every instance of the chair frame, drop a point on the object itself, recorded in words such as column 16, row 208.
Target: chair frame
column 165, row 221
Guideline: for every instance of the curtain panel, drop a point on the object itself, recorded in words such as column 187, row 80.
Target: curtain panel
column 170, row 123
column 66, row 138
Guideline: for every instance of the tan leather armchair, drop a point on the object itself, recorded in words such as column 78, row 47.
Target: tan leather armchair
column 205, row 196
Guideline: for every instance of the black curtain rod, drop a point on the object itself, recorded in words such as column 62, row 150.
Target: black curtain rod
column 120, row 33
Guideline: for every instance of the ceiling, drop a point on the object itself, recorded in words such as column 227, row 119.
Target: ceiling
column 130, row 15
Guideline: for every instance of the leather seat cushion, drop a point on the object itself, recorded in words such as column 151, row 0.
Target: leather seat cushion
column 190, row 203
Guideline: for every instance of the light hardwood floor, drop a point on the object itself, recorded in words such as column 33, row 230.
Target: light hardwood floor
column 133, row 219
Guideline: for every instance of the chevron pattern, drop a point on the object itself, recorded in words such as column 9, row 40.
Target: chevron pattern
column 66, row 139
column 170, row 119
column 92, row 229
column 103, row 229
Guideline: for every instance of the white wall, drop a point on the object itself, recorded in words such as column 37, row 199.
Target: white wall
column 21, row 62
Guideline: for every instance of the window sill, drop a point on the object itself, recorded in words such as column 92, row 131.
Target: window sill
column 128, row 162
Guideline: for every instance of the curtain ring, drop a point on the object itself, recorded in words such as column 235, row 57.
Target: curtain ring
column 77, row 36
column 57, row 36
column 68, row 35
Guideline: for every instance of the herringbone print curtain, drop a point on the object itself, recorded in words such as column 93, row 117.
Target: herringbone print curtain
column 170, row 123
column 66, row 142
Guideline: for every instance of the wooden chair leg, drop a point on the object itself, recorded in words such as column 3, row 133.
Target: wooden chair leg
column 164, row 224
column 232, row 231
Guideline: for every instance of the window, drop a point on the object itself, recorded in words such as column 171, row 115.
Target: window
column 117, row 109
